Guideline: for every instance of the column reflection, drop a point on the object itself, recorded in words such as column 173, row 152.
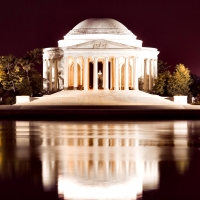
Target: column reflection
column 104, row 160
column 98, row 160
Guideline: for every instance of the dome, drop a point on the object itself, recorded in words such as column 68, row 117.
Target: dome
column 100, row 26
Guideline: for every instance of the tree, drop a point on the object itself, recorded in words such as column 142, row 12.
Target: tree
column 7, row 64
column 163, row 66
column 30, row 59
column 195, row 86
column 36, row 82
column 160, row 86
column 22, row 82
column 31, row 80
column 7, row 79
column 3, row 74
column 179, row 83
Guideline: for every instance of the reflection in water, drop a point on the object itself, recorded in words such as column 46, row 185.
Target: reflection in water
column 102, row 160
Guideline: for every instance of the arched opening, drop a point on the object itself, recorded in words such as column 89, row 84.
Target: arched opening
column 71, row 76
column 80, row 74
column 130, row 77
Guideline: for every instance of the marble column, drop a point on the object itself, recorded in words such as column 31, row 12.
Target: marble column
column 75, row 73
column 45, row 68
column 95, row 83
column 106, row 165
column 103, row 71
column 116, row 74
column 58, row 66
column 85, row 142
column 120, row 78
column 117, row 142
column 151, row 75
column 126, row 74
column 135, row 73
column 81, row 75
column 96, row 167
column 95, row 142
column 142, row 71
column 155, row 68
column 66, row 71
column 55, row 78
column 126, row 142
column 146, row 75
column 106, row 75
column 85, row 73
column 45, row 74
column 111, row 70
column 132, row 72
column 50, row 75
column 106, row 142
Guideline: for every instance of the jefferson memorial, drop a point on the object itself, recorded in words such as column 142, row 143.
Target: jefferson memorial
column 99, row 54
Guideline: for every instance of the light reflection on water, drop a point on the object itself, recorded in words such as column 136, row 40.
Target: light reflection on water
column 97, row 160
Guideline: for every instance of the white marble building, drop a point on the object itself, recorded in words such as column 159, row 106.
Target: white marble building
column 99, row 53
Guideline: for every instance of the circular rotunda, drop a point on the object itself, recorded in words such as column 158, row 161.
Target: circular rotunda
column 99, row 54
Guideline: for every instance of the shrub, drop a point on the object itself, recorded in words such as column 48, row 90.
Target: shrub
column 8, row 98
column 141, row 84
column 196, row 100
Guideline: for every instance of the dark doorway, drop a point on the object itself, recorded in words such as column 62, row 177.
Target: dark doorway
column 100, row 68
column 109, row 73
column 91, row 75
column 100, row 75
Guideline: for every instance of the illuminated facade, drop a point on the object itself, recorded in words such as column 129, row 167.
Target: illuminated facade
column 99, row 53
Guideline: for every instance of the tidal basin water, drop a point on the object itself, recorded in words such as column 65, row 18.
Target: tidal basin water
column 99, row 160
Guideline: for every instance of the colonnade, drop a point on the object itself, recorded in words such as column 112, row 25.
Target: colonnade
column 50, row 73
column 122, row 72
column 150, row 73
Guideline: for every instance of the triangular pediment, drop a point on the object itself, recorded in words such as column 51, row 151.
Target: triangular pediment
column 101, row 44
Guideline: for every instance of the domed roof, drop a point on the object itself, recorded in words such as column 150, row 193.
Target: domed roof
column 100, row 26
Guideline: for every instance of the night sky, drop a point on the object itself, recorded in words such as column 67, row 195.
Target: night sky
column 171, row 26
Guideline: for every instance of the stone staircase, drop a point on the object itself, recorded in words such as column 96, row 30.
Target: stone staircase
column 100, row 97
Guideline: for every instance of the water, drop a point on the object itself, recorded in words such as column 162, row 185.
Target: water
column 100, row 160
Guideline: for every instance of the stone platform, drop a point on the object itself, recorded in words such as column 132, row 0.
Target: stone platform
column 100, row 97
column 100, row 105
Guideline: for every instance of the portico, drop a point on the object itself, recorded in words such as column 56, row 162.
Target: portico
column 106, row 56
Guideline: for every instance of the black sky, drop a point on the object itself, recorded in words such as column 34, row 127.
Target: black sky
column 172, row 26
